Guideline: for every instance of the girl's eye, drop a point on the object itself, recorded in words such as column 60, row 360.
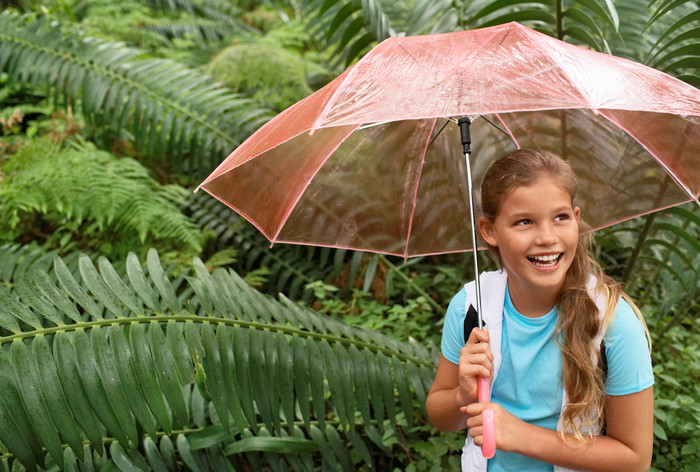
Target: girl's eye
column 522, row 222
column 562, row 217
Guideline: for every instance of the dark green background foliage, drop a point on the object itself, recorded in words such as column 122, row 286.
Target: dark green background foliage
column 144, row 327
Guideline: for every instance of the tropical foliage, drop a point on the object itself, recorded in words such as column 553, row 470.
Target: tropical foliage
column 141, row 325
column 96, row 360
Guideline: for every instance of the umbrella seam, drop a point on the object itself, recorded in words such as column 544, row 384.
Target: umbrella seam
column 351, row 72
column 556, row 59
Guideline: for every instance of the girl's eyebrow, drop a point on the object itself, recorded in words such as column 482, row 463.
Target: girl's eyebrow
column 518, row 216
column 564, row 209
column 526, row 214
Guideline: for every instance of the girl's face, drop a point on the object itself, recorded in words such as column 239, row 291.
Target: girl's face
column 536, row 232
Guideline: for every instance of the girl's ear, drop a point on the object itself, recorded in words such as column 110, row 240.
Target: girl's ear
column 488, row 232
column 577, row 213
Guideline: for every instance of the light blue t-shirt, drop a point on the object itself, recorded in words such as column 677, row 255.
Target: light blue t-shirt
column 529, row 378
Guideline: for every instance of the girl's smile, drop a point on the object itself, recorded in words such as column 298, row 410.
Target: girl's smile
column 536, row 232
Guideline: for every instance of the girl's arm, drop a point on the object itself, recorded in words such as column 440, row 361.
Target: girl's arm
column 455, row 385
column 627, row 446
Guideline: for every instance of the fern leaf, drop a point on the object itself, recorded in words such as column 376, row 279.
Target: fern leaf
column 142, row 376
column 116, row 195
column 117, row 88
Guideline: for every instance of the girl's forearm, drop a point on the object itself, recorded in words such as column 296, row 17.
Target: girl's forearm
column 443, row 409
column 603, row 453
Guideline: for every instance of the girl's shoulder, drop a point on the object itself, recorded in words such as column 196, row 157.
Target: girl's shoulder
column 625, row 320
column 628, row 353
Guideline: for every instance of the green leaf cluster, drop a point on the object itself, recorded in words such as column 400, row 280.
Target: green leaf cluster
column 278, row 82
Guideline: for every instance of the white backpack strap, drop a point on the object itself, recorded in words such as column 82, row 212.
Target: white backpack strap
column 493, row 294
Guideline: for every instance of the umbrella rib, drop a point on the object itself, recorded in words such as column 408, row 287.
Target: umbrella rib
column 507, row 129
column 415, row 192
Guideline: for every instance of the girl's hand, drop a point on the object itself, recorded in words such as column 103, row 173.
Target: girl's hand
column 509, row 429
column 475, row 360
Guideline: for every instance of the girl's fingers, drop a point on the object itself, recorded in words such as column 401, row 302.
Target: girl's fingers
column 475, row 370
column 475, row 360
column 478, row 434
column 478, row 336
column 478, row 345
column 472, row 364
column 475, row 409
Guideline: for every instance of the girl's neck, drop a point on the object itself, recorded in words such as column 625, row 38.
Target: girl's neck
column 533, row 304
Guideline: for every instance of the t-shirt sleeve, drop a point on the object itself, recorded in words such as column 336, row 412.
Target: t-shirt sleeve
column 453, row 329
column 627, row 351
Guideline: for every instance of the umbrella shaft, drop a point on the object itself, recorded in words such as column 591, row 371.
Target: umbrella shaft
column 472, row 214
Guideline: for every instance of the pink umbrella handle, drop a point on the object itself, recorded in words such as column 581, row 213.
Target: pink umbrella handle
column 488, row 449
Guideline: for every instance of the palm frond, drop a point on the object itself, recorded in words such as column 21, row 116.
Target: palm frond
column 632, row 41
column 122, row 362
column 588, row 22
column 675, row 50
column 350, row 26
column 656, row 257
column 173, row 112
column 433, row 16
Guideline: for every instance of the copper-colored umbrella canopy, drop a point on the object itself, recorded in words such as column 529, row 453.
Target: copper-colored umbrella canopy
column 373, row 161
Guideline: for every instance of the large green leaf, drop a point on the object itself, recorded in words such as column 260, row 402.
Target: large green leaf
column 144, row 376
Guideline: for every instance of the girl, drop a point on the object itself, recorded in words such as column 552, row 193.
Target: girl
column 547, row 312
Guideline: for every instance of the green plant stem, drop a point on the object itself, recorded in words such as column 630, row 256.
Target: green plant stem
column 637, row 250
column 560, row 20
column 223, row 321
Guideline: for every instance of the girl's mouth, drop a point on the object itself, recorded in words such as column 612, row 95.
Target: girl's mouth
column 545, row 261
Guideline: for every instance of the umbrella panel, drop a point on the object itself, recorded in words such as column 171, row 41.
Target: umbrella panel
column 400, row 188
column 618, row 177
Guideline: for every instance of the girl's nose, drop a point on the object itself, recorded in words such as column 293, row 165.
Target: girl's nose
column 545, row 236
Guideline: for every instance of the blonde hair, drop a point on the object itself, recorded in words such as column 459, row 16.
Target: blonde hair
column 578, row 321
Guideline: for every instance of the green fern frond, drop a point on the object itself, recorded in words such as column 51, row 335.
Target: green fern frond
column 290, row 267
column 171, row 110
column 81, row 185
column 208, row 373
column 17, row 260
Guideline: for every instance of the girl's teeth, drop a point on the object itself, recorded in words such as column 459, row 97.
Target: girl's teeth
column 544, row 260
